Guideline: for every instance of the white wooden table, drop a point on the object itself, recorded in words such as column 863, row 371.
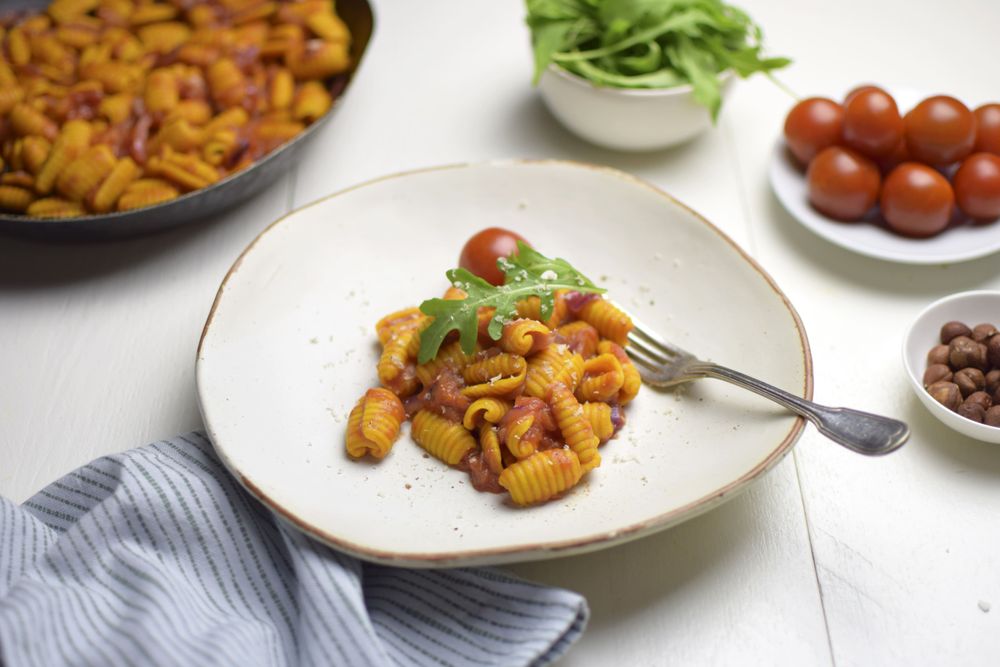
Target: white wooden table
column 831, row 559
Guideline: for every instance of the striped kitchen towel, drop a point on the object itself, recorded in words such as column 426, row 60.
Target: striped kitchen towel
column 158, row 557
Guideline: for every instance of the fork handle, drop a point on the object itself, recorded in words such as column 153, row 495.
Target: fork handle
column 861, row 432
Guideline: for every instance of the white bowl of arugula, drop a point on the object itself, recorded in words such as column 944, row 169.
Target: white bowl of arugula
column 640, row 75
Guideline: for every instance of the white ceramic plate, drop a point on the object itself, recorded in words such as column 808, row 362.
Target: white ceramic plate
column 957, row 244
column 290, row 346
column 970, row 307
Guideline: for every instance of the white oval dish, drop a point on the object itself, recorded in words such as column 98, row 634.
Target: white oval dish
column 969, row 307
column 626, row 119
column 957, row 244
column 289, row 347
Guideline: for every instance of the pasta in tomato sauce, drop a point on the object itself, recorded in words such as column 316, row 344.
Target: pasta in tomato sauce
column 525, row 414
column 113, row 105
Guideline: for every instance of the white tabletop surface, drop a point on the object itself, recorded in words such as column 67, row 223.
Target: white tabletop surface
column 831, row 559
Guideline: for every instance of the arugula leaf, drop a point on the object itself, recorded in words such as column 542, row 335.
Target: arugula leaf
column 693, row 63
column 635, row 11
column 548, row 38
column 528, row 273
column 557, row 25
column 649, row 43
column 661, row 78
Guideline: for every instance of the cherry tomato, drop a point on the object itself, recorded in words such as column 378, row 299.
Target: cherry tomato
column 843, row 184
column 988, row 128
column 872, row 124
column 916, row 200
column 940, row 130
column 481, row 252
column 977, row 186
column 861, row 89
column 812, row 125
column 898, row 156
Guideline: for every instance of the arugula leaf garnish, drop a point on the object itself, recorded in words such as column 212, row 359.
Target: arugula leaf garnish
column 528, row 273
column 649, row 43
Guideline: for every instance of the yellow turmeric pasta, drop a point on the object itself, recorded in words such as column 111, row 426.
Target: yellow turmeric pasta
column 608, row 319
column 282, row 39
column 450, row 356
column 17, row 178
column 542, row 476
column 524, row 337
column 631, row 380
column 73, row 139
column 9, row 96
column 484, row 410
column 603, row 377
column 121, row 175
column 179, row 135
column 373, row 424
column 54, row 207
column 396, row 369
column 499, row 375
column 601, row 418
column 525, row 411
column 489, row 442
column 13, row 198
column 556, row 363
column 189, row 92
column 282, row 88
column 317, row 59
column 82, row 176
column 581, row 337
column 574, row 425
column 185, row 170
column 25, row 120
column 220, row 147
column 312, row 100
column 162, row 93
column 146, row 192
column 520, row 437
column 531, row 308
column 328, row 26
column 196, row 112
column 34, row 152
column 442, row 438
column 392, row 322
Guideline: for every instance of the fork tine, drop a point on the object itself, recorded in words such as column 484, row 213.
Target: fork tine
column 642, row 334
column 641, row 358
column 637, row 345
column 652, row 372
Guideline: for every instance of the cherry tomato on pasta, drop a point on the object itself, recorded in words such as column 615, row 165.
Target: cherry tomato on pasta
column 916, row 200
column 812, row 125
column 940, row 130
column 480, row 253
column 843, row 184
column 988, row 128
column 872, row 124
column 977, row 186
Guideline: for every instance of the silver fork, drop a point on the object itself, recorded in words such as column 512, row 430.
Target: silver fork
column 662, row 364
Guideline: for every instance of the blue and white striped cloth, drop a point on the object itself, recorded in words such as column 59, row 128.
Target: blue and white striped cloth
column 158, row 557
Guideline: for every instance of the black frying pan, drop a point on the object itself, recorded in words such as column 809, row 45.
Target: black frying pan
column 197, row 205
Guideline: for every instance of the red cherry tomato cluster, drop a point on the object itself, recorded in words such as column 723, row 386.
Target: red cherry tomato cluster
column 863, row 152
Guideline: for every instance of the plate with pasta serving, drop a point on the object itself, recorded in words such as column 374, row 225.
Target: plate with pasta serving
column 431, row 369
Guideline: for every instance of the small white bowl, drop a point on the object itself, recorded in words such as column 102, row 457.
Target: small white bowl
column 969, row 307
column 627, row 119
